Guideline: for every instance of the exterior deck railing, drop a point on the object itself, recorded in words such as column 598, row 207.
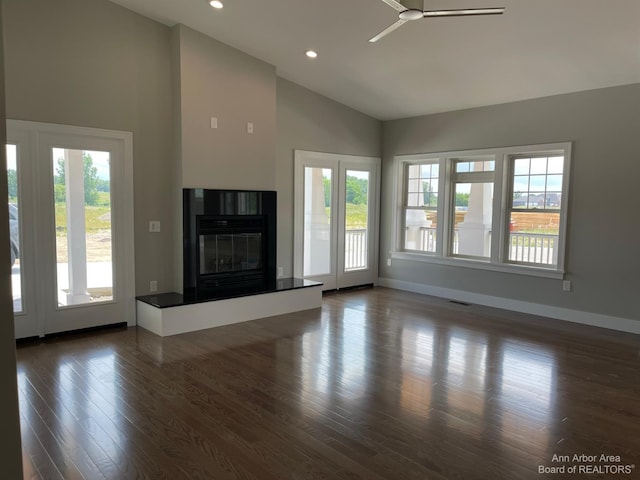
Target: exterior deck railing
column 428, row 239
column 537, row 248
column 534, row 248
column 355, row 249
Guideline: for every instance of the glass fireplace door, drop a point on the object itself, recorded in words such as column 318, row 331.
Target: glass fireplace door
column 230, row 253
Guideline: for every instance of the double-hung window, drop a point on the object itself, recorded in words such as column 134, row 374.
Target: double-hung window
column 502, row 209
column 534, row 208
column 421, row 206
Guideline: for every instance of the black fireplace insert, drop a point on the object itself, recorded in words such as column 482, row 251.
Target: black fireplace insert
column 229, row 242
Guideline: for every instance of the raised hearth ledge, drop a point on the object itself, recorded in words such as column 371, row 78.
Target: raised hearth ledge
column 168, row 314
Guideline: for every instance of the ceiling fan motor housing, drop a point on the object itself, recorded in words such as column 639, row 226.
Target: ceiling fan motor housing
column 411, row 15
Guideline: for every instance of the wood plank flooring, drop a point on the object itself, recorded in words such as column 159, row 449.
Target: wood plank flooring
column 378, row 384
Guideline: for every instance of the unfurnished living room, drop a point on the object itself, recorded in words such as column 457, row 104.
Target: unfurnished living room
column 304, row 239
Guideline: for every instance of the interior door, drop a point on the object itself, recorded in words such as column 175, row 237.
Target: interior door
column 74, row 197
column 336, row 218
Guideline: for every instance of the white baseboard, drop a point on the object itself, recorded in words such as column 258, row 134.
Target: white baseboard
column 575, row 316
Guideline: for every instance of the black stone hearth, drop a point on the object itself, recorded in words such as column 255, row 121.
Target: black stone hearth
column 172, row 299
column 229, row 243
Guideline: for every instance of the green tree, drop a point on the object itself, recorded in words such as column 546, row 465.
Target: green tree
column 357, row 190
column 327, row 191
column 91, row 181
column 12, row 181
column 103, row 185
column 462, row 199
column 430, row 199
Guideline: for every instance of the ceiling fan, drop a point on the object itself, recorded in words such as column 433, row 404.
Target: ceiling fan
column 414, row 10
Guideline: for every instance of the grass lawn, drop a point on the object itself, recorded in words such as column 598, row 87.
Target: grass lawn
column 356, row 216
column 96, row 218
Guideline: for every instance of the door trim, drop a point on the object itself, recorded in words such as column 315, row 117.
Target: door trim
column 337, row 163
column 360, row 277
column 122, row 193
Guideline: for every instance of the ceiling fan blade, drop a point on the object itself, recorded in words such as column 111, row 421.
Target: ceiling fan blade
column 388, row 30
column 397, row 5
column 463, row 12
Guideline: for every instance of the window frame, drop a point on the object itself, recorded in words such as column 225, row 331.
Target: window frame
column 504, row 158
column 406, row 207
column 485, row 176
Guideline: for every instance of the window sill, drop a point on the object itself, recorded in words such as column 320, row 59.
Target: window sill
column 480, row 265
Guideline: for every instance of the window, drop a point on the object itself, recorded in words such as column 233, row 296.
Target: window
column 535, row 209
column 473, row 185
column 501, row 209
column 421, row 206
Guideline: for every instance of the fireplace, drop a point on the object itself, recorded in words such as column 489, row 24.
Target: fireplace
column 229, row 242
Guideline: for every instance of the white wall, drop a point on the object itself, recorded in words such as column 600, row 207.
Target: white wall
column 603, row 230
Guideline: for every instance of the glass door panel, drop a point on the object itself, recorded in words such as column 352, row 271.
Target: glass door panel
column 82, row 203
column 358, row 210
column 356, row 226
column 317, row 221
column 14, row 227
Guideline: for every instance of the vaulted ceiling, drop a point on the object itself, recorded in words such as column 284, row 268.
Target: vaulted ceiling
column 537, row 48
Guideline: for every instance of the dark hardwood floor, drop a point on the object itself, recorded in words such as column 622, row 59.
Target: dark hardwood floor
column 378, row 384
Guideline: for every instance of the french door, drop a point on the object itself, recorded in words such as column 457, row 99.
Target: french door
column 71, row 213
column 336, row 218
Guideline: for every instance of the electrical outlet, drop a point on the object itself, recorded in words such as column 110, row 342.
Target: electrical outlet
column 388, row 262
column 250, row 127
column 566, row 285
column 154, row 226
column 214, row 122
column 153, row 286
column 280, row 271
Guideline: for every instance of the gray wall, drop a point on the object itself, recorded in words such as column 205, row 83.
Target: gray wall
column 10, row 447
column 211, row 79
column 309, row 121
column 603, row 231
column 176, row 86
column 219, row 81
column 93, row 63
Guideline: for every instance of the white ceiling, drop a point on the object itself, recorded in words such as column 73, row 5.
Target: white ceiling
column 537, row 48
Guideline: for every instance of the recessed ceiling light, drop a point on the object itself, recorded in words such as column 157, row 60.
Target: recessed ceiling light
column 311, row 54
column 216, row 4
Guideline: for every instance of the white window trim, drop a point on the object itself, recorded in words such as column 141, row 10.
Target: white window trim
column 498, row 261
